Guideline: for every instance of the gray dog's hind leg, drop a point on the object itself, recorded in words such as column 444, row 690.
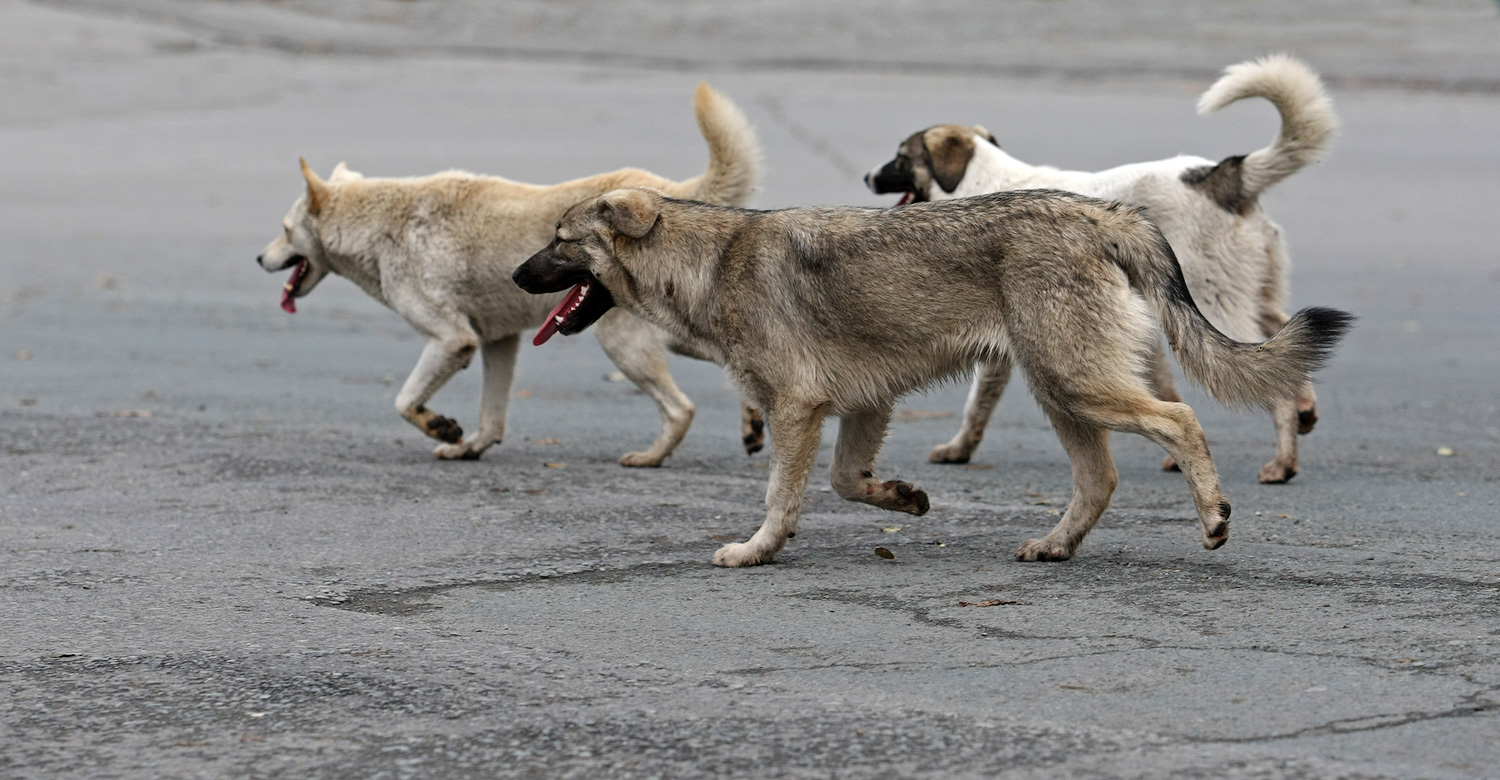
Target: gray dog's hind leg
column 638, row 349
column 860, row 437
column 990, row 379
column 1094, row 481
column 795, row 431
column 499, row 370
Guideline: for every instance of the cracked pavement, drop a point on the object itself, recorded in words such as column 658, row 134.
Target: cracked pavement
column 222, row 554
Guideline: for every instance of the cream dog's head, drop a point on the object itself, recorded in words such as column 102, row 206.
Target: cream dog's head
column 300, row 246
column 938, row 155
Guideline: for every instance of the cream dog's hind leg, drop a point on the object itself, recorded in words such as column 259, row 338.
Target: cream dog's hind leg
column 499, row 370
column 639, row 351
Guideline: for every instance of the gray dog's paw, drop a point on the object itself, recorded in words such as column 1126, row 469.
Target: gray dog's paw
column 907, row 498
column 1043, row 549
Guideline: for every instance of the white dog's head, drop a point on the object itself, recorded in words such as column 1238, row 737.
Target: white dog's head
column 300, row 245
column 938, row 155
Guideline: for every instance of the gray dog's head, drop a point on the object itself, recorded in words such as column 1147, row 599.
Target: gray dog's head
column 299, row 246
column 938, row 155
column 585, row 255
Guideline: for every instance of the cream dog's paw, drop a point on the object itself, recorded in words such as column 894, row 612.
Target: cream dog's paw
column 460, row 451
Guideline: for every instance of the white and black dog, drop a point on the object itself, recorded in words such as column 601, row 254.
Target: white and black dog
column 1231, row 253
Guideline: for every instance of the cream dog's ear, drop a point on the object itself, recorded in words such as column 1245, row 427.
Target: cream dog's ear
column 986, row 135
column 341, row 172
column 630, row 212
column 317, row 190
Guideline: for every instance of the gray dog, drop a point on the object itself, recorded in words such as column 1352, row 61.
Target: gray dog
column 842, row 311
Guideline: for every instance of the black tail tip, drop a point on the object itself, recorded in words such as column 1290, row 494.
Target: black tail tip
column 1327, row 326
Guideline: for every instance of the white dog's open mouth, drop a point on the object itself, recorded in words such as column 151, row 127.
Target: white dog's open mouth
column 289, row 292
column 580, row 308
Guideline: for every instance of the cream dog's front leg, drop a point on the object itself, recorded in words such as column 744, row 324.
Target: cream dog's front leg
column 499, row 371
column 440, row 360
column 795, row 432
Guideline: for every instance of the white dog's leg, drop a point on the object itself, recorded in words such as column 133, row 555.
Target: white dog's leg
column 440, row 360
column 1284, row 466
column 860, row 437
column 795, row 432
column 1159, row 377
column 638, row 349
column 990, row 379
column 499, row 369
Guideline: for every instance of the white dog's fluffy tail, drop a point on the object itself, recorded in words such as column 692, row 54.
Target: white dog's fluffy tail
column 1307, row 119
column 733, row 153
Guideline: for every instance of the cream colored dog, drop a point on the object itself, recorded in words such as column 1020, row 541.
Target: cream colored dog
column 1231, row 252
column 439, row 250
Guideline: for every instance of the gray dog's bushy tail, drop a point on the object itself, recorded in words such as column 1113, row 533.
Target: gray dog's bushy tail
column 1307, row 119
column 733, row 153
column 1239, row 374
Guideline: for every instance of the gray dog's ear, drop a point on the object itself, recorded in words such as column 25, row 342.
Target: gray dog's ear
column 630, row 212
column 948, row 152
column 317, row 190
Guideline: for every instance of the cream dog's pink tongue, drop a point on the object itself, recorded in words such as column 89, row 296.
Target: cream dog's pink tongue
column 288, row 302
column 558, row 313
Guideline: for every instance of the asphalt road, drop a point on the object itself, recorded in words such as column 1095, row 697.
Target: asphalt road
column 223, row 555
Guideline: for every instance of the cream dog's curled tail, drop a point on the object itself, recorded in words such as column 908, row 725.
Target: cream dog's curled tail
column 733, row 153
column 1307, row 119
column 1239, row 374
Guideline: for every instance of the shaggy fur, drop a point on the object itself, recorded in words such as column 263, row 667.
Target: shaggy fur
column 1231, row 252
column 841, row 311
column 439, row 251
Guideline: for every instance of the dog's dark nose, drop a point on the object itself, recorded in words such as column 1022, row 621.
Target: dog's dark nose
column 867, row 177
column 260, row 260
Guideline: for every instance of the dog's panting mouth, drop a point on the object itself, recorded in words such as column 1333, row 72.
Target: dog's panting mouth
column 580, row 308
column 289, row 292
column 906, row 197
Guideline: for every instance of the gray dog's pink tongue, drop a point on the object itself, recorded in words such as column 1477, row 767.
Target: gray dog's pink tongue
column 559, row 313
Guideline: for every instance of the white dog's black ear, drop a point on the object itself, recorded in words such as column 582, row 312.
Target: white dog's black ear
column 986, row 135
column 949, row 149
column 317, row 190
column 630, row 212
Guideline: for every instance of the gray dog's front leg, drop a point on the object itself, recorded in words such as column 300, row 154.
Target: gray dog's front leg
column 795, row 432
